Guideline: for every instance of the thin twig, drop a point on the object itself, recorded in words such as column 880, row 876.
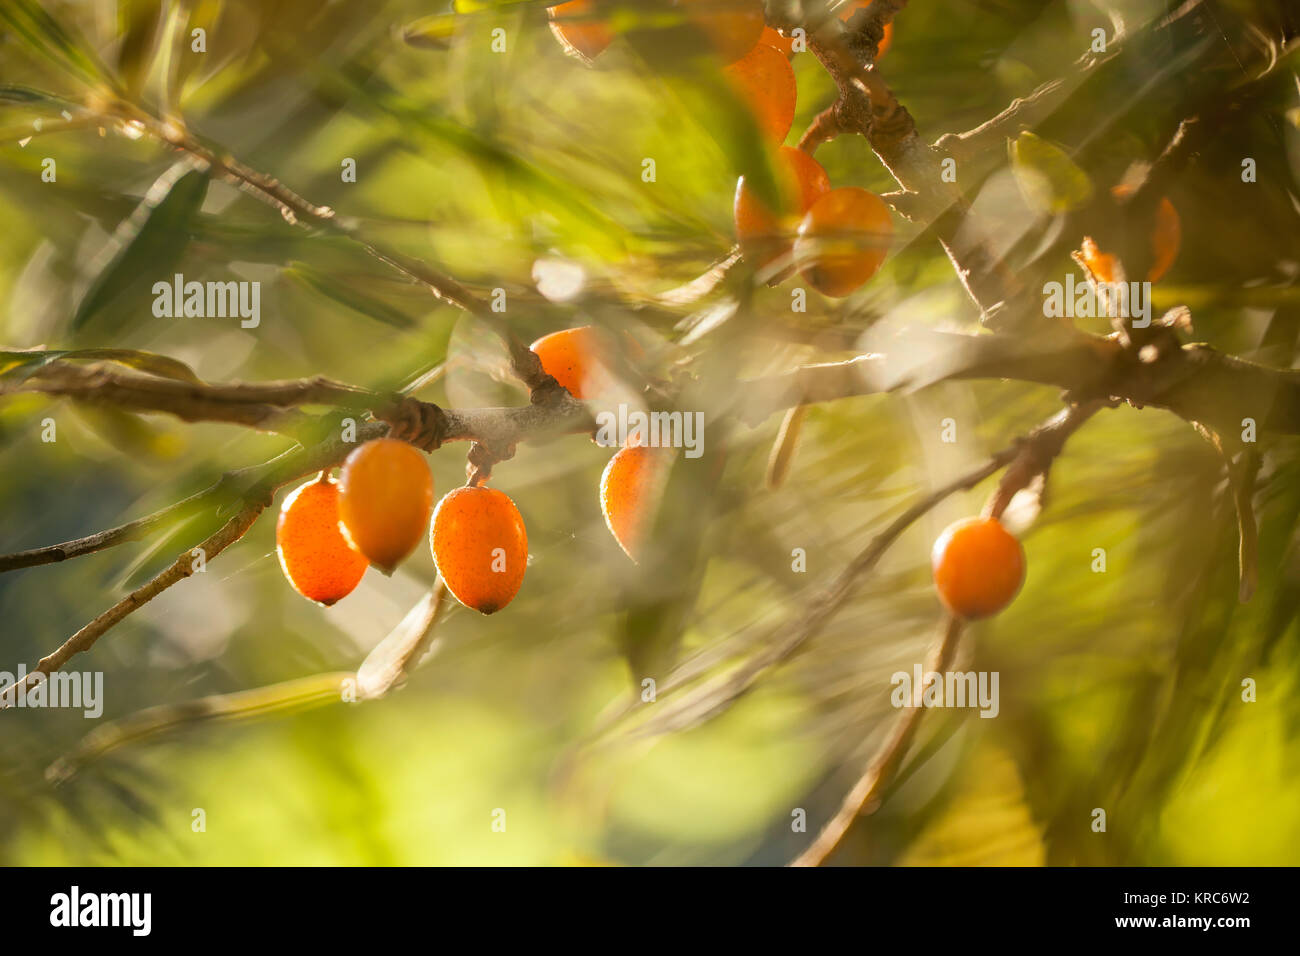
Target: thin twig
column 883, row 764
column 182, row 568
column 299, row 211
column 384, row 668
column 1030, row 457
column 715, row 696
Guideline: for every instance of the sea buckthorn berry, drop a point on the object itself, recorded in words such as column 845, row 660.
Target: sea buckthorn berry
column 480, row 546
column 313, row 553
column 579, row 359
column 1166, row 239
column 764, row 79
column 731, row 26
column 843, row 239
column 579, row 32
column 630, row 488
column 385, row 496
column 846, row 13
column 777, row 41
column 978, row 567
column 764, row 235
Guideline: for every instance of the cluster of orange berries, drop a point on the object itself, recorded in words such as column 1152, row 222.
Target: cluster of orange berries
column 837, row 238
column 330, row 531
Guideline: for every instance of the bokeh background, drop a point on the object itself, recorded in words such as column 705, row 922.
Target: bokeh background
column 1119, row 690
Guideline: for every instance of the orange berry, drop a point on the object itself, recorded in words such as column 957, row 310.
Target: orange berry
column 480, row 546
column 580, row 35
column 843, row 240
column 776, row 41
column 313, row 554
column 629, row 494
column 386, row 493
column 1166, row 239
column 731, row 26
column 853, row 7
column 579, row 359
column 763, row 235
column 764, row 79
column 978, row 567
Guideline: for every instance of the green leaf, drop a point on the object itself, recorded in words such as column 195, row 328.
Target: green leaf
column 1049, row 179
column 433, row 31
column 26, row 95
column 150, row 241
column 151, row 362
column 347, row 295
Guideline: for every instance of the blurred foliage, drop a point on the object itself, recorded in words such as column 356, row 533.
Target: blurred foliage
column 1118, row 690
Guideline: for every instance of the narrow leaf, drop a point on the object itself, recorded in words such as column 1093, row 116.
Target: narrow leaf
column 150, row 241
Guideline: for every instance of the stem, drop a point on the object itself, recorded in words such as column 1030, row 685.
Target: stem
column 863, row 798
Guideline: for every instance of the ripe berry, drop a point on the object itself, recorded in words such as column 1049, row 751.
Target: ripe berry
column 776, row 41
column 853, row 7
column 1166, row 238
column 629, row 494
column 764, row 79
column 313, row 554
column 978, row 567
column 385, row 495
column 579, row 33
column 764, row 235
column 843, row 240
column 579, row 359
column 480, row 546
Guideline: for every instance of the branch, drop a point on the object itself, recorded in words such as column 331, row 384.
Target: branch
column 867, row 105
column 711, row 699
column 183, row 567
column 1026, row 112
column 265, row 407
column 298, row 211
column 1031, row 456
column 102, row 540
column 1194, row 381
column 390, row 662
column 885, row 763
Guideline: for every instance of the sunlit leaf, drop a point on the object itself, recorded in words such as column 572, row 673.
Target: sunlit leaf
column 1049, row 179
